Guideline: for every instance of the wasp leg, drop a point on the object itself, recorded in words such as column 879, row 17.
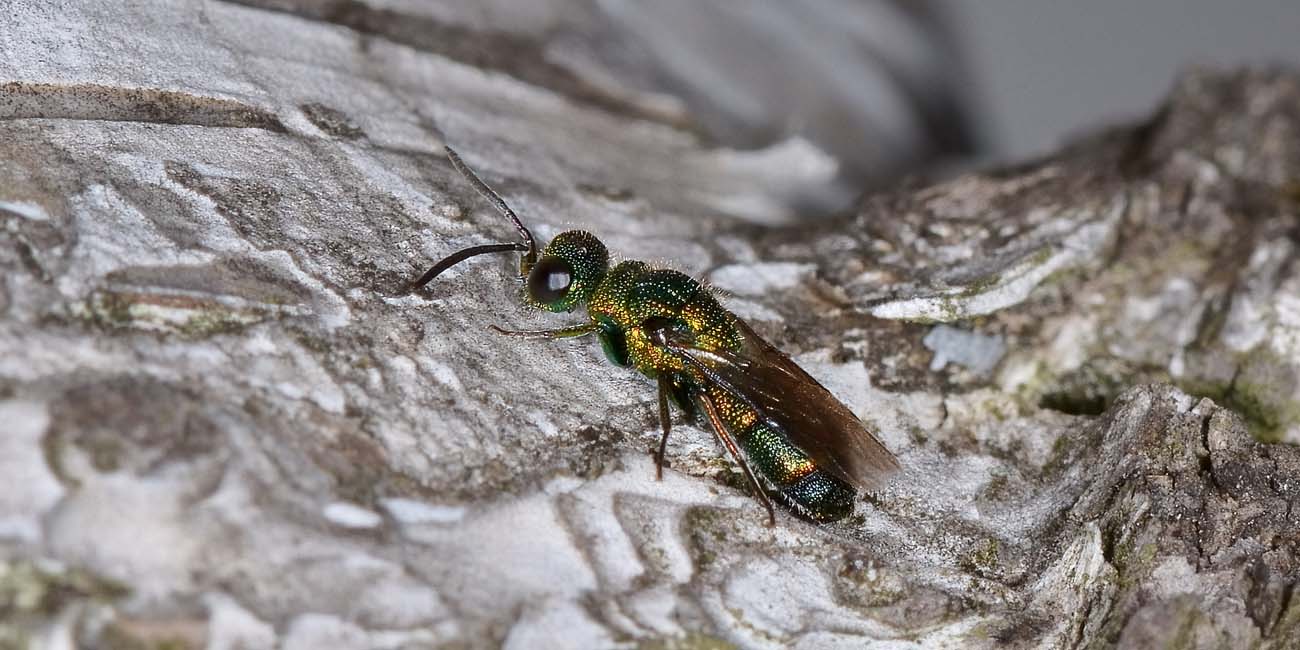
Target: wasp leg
column 712, row 412
column 665, row 421
column 562, row 333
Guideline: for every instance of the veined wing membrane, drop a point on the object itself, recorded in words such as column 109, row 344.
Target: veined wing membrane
column 790, row 399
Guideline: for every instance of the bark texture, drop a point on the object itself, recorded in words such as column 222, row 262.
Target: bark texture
column 224, row 427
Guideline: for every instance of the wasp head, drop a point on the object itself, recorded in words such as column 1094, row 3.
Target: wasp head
column 567, row 272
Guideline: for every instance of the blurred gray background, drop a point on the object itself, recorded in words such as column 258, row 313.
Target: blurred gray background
column 885, row 88
column 892, row 87
column 1042, row 69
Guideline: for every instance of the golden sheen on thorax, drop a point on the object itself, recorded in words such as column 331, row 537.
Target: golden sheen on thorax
column 791, row 438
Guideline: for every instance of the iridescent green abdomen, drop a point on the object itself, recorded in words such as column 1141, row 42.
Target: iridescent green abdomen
column 799, row 484
column 633, row 299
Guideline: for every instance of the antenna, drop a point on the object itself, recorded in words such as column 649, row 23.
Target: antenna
column 528, row 246
column 495, row 199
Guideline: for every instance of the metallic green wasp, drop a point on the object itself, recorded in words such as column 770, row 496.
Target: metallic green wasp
column 810, row 452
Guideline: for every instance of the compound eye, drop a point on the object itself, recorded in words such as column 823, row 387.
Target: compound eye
column 550, row 279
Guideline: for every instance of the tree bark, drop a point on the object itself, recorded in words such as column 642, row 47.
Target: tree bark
column 224, row 425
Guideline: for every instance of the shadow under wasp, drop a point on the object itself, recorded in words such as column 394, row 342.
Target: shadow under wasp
column 809, row 449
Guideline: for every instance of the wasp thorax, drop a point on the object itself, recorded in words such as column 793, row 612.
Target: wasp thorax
column 568, row 271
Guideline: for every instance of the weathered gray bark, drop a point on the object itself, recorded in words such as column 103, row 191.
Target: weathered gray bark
column 223, row 427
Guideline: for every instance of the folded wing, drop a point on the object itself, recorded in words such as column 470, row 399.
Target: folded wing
column 789, row 399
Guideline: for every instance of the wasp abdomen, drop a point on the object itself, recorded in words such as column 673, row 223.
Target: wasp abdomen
column 798, row 482
column 819, row 497
column 796, row 479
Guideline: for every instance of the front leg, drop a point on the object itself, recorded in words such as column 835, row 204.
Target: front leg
column 572, row 331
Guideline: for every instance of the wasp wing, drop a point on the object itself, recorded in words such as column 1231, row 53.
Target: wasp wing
column 791, row 400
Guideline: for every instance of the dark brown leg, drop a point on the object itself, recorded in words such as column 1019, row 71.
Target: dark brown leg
column 730, row 444
column 665, row 421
